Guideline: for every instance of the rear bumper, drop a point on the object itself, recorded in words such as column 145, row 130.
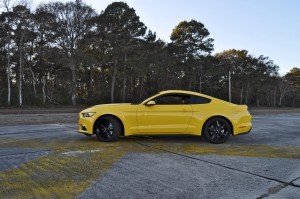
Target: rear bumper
column 245, row 130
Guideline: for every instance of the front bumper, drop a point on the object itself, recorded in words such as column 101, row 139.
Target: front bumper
column 85, row 124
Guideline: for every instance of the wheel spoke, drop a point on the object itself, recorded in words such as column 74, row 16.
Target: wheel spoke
column 213, row 125
column 213, row 136
column 107, row 134
column 102, row 126
column 103, row 134
column 211, row 128
column 221, row 135
column 218, row 124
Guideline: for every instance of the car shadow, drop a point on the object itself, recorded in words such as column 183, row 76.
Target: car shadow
column 165, row 139
column 176, row 139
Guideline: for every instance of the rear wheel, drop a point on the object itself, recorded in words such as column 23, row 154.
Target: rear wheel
column 217, row 130
column 108, row 129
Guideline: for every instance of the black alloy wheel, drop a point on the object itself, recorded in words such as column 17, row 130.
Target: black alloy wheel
column 108, row 129
column 217, row 130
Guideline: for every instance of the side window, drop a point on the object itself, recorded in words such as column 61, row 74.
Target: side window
column 172, row 99
column 198, row 100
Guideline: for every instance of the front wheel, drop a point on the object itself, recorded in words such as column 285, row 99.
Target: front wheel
column 217, row 130
column 108, row 129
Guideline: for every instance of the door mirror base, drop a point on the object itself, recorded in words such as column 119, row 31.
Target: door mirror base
column 150, row 103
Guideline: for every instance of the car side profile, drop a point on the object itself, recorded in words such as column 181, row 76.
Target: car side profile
column 168, row 112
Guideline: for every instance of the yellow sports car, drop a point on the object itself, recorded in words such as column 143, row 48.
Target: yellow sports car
column 168, row 112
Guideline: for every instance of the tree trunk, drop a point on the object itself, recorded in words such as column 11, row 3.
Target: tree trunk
column 200, row 79
column 43, row 89
column 246, row 100
column 33, row 82
column 20, row 73
column 8, row 70
column 280, row 100
column 129, row 91
column 73, row 86
column 90, row 83
column 190, row 84
column 52, row 84
column 124, row 89
column 32, row 73
column 241, row 99
column 274, row 98
column 141, row 88
column 229, row 86
column 282, row 92
column 294, row 94
column 72, row 66
column 8, row 79
column 113, row 81
column 281, row 97
column 124, row 77
column 200, row 84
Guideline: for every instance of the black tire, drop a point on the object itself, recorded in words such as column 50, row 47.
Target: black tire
column 108, row 128
column 217, row 130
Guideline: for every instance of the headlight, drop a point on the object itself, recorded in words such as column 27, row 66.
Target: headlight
column 89, row 114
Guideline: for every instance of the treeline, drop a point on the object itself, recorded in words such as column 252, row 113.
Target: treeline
column 66, row 53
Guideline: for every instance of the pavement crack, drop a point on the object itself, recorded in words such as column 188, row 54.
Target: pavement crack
column 293, row 184
column 273, row 190
column 277, row 188
column 295, row 179
column 220, row 165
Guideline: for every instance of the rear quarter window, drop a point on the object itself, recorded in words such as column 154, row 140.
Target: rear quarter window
column 199, row 100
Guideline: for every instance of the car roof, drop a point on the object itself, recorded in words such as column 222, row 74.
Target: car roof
column 187, row 93
column 184, row 92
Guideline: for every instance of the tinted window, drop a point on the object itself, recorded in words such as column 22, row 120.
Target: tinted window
column 172, row 99
column 198, row 100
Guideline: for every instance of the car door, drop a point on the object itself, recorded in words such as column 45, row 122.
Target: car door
column 171, row 114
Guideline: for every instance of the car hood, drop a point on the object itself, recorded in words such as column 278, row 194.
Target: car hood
column 111, row 107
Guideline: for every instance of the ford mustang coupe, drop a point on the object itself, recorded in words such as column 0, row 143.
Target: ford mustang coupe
column 168, row 112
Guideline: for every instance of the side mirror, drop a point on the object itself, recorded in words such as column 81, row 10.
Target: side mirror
column 150, row 103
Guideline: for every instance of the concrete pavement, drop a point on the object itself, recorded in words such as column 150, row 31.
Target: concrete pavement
column 53, row 161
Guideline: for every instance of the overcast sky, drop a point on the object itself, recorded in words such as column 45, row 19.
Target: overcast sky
column 263, row 27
